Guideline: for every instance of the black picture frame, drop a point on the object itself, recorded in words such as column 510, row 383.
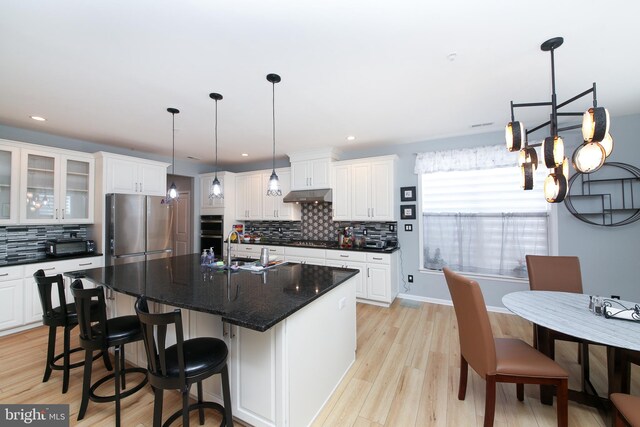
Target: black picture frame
column 407, row 211
column 407, row 194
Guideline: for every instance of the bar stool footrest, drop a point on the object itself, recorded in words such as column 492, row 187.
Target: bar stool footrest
column 71, row 365
column 204, row 405
column 126, row 392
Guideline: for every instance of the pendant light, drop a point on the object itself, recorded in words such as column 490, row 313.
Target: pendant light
column 216, row 187
column 273, row 188
column 172, row 192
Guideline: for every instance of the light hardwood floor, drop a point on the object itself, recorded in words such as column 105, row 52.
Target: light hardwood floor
column 405, row 374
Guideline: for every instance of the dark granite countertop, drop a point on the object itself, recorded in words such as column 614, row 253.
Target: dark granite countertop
column 10, row 262
column 253, row 300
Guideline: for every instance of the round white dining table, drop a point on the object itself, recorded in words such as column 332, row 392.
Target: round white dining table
column 569, row 313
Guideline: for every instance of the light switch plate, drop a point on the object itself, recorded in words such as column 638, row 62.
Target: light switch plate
column 408, row 227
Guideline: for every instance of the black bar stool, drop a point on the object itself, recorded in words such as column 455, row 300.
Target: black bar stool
column 182, row 364
column 62, row 316
column 102, row 335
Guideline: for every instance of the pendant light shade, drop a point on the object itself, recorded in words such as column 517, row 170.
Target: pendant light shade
column 553, row 151
column 514, row 135
column 172, row 191
column 607, row 144
column 273, row 188
column 528, row 155
column 595, row 124
column 555, row 188
column 527, row 176
column 216, row 188
column 589, row 157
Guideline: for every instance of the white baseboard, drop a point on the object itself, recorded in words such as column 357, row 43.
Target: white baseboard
column 448, row 302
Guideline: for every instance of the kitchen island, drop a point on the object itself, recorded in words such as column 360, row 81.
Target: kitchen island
column 291, row 329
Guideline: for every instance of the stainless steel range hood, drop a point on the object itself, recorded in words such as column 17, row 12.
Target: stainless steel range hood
column 309, row 196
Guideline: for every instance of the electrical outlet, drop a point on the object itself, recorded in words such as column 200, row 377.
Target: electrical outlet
column 615, row 296
column 365, row 232
column 392, row 227
column 410, row 278
column 408, row 227
column 279, row 229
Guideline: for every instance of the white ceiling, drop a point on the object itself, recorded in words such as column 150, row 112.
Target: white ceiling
column 379, row 70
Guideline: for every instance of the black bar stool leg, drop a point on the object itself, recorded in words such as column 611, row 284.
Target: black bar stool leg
column 185, row 406
column 200, row 409
column 66, row 359
column 226, row 394
column 86, row 384
column 157, row 407
column 122, row 367
column 117, row 371
column 51, row 350
column 106, row 360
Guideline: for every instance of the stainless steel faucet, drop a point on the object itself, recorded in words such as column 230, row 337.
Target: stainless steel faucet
column 231, row 233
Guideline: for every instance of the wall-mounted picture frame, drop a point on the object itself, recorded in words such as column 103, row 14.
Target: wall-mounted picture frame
column 407, row 211
column 407, row 194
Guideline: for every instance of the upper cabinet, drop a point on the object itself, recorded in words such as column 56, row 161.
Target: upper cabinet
column 310, row 174
column 364, row 189
column 129, row 175
column 249, row 195
column 56, row 188
column 311, row 169
column 9, row 188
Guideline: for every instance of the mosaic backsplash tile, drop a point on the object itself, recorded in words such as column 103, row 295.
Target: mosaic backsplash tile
column 316, row 224
column 28, row 242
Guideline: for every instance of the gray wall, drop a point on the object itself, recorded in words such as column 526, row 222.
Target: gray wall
column 608, row 255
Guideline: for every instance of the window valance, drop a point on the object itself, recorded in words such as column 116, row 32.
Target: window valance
column 486, row 157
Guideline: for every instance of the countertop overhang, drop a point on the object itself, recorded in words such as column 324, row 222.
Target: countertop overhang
column 256, row 301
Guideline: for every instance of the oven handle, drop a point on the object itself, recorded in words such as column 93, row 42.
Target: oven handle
column 211, row 221
column 216, row 236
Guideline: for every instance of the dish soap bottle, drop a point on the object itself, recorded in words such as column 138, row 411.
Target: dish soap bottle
column 210, row 256
column 203, row 257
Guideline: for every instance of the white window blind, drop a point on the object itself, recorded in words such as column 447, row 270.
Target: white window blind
column 481, row 221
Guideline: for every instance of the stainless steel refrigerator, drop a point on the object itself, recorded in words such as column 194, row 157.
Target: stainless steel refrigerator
column 139, row 228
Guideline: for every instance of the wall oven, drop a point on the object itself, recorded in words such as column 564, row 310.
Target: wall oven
column 211, row 233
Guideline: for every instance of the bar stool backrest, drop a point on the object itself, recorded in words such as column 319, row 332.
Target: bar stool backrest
column 154, row 334
column 45, row 285
column 92, row 331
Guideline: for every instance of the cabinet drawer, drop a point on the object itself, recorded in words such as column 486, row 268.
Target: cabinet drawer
column 347, row 256
column 379, row 258
column 11, row 273
column 275, row 250
column 49, row 268
column 305, row 252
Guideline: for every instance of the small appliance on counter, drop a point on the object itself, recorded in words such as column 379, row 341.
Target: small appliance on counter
column 67, row 247
column 375, row 244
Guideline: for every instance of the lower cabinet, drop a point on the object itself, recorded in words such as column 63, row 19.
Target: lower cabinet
column 11, row 297
column 254, row 358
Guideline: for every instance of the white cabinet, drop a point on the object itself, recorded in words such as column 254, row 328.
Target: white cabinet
column 364, row 189
column 310, row 174
column 305, row 255
column 129, row 175
column 9, row 187
column 381, row 280
column 214, row 206
column 274, row 209
column 11, row 297
column 249, row 195
column 355, row 260
column 57, row 188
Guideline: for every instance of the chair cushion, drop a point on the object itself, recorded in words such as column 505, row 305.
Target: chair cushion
column 516, row 357
column 123, row 329
column 629, row 407
column 200, row 355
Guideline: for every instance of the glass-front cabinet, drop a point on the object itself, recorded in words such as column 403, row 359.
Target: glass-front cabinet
column 56, row 188
column 9, row 172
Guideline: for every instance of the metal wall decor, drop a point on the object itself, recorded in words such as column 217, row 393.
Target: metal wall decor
column 609, row 197
column 407, row 211
column 587, row 158
column 407, row 194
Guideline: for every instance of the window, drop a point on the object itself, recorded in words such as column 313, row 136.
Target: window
column 475, row 216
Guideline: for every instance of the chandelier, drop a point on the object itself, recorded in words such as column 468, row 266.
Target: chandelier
column 587, row 158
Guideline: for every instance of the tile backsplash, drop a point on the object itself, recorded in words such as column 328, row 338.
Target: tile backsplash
column 28, row 241
column 316, row 224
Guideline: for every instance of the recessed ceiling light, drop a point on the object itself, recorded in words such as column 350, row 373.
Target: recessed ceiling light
column 452, row 56
column 244, row 155
column 479, row 125
column 38, row 118
column 351, row 138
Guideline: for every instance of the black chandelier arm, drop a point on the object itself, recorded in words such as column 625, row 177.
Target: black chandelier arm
column 569, row 127
column 532, row 104
column 540, row 126
column 580, row 95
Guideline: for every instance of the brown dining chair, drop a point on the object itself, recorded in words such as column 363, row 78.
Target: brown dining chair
column 507, row 360
column 627, row 410
column 562, row 274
